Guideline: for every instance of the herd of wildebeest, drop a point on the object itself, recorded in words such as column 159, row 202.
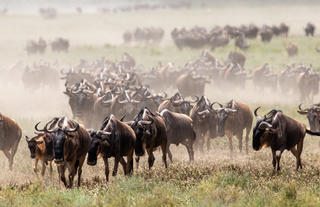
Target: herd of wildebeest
column 120, row 110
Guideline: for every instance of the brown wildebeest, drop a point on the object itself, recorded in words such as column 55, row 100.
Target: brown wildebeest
column 292, row 49
column 114, row 139
column 151, row 133
column 309, row 29
column 179, row 130
column 232, row 120
column 41, row 148
column 237, row 58
column 71, row 143
column 280, row 132
column 10, row 135
column 189, row 84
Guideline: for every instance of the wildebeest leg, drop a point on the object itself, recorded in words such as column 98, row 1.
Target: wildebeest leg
column 239, row 136
column 8, row 155
column 208, row 143
column 14, row 149
column 51, row 170
column 35, row 169
column 150, row 157
column 164, row 154
column 72, row 171
column 247, row 138
column 130, row 161
column 190, row 152
column 278, row 156
column 116, row 163
column 137, row 162
column 124, row 165
column 81, row 161
column 300, row 147
column 230, row 145
column 106, row 168
column 61, row 169
column 295, row 153
column 169, row 152
column 43, row 170
column 274, row 160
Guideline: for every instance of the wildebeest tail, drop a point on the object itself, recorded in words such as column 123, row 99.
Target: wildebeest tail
column 312, row 132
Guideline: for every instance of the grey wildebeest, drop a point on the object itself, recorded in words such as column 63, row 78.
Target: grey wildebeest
column 71, row 143
column 180, row 130
column 232, row 120
column 114, row 139
column 313, row 115
column 151, row 133
column 204, row 122
column 279, row 132
column 41, row 148
column 10, row 135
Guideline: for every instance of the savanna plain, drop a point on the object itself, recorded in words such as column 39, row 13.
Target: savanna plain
column 213, row 179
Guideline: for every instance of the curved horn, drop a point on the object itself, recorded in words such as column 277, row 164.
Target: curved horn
column 304, row 110
column 67, row 129
column 39, row 130
column 53, row 123
column 211, row 105
column 28, row 139
column 196, row 100
column 256, row 113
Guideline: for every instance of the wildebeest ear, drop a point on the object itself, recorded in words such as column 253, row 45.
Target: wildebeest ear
column 91, row 132
column 28, row 139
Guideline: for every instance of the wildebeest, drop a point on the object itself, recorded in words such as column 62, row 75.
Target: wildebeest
column 266, row 34
column 60, row 45
column 176, row 104
column 10, row 135
column 179, row 131
column 237, row 58
column 189, row 84
column 150, row 133
column 204, row 122
column 279, row 132
column 313, row 115
column 71, row 142
column 114, row 139
column 41, row 148
column 310, row 29
column 292, row 49
column 263, row 77
column 232, row 120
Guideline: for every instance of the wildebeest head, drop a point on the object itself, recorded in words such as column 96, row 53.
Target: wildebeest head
column 222, row 115
column 263, row 132
column 313, row 115
column 142, row 127
column 32, row 145
column 98, row 138
column 61, row 134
